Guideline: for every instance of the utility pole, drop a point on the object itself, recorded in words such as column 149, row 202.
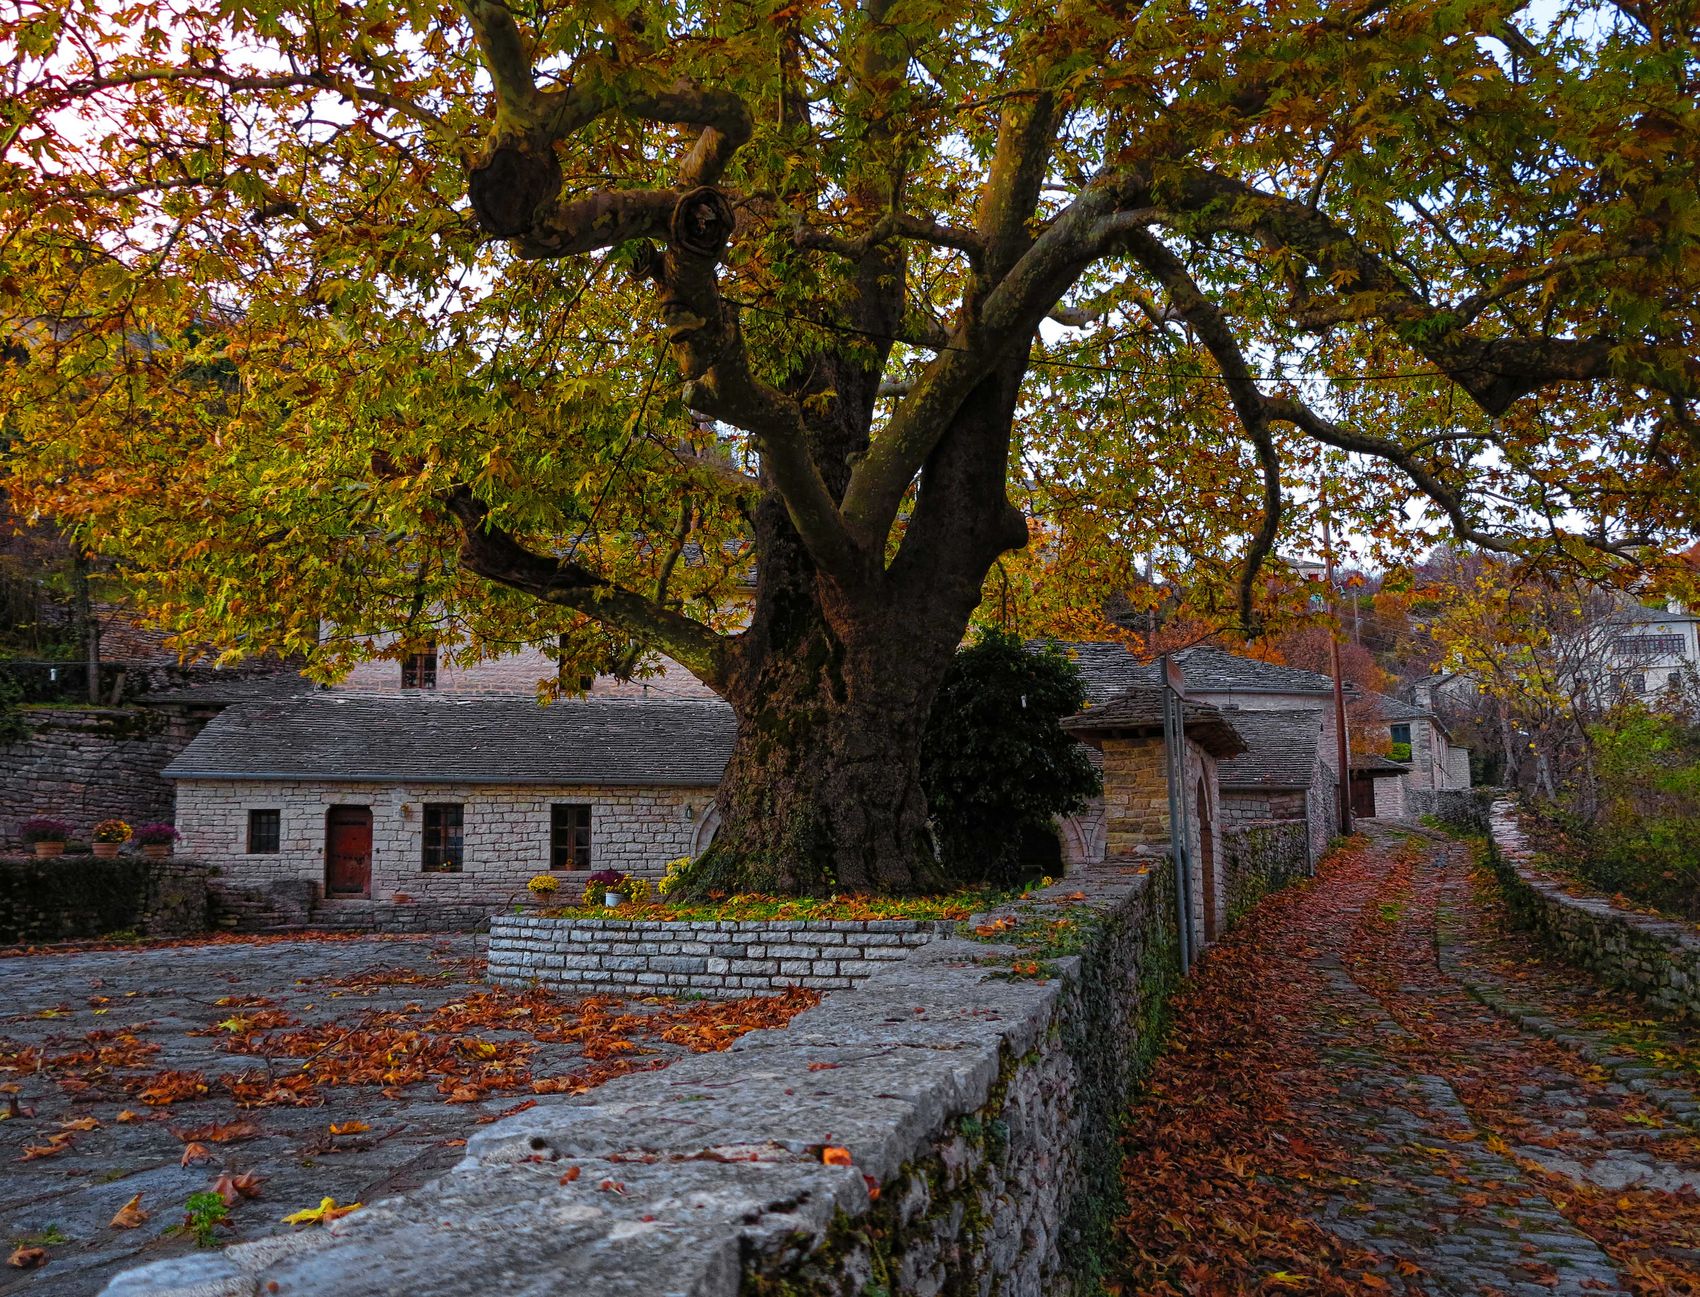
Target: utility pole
column 1342, row 748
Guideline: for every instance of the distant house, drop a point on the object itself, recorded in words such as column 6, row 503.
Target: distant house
column 1290, row 768
column 1649, row 650
column 1421, row 741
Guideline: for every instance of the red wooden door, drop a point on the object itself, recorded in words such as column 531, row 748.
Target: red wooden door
column 348, row 851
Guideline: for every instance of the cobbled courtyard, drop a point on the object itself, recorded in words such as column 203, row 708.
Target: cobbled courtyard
column 277, row 1074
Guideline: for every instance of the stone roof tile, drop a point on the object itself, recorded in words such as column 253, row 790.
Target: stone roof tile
column 348, row 738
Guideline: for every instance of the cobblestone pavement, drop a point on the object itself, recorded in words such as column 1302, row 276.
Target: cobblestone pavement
column 348, row 1069
column 1404, row 1135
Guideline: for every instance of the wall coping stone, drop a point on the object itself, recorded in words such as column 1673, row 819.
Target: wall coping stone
column 1656, row 957
column 718, row 1155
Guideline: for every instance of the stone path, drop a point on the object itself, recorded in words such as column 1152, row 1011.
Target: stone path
column 1342, row 1112
column 352, row 1069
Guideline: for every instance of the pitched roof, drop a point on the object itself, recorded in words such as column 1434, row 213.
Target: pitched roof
column 1139, row 712
column 1110, row 669
column 1394, row 709
column 1378, row 767
column 348, row 738
column 1281, row 749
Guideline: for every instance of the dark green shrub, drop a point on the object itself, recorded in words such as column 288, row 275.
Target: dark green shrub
column 996, row 766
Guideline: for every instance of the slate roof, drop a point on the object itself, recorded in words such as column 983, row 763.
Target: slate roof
column 1395, row 709
column 346, row 738
column 1281, row 748
column 1378, row 767
column 1109, row 670
column 1139, row 712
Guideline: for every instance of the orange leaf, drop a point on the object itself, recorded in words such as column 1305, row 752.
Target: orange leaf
column 348, row 1127
column 832, row 1155
column 130, row 1215
column 28, row 1258
column 80, row 1123
column 569, row 1175
column 195, row 1153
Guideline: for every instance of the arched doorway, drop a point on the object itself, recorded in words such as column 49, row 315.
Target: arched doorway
column 1207, row 861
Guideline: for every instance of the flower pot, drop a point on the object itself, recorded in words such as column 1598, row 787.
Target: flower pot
column 106, row 850
column 612, row 900
column 156, row 850
column 47, row 850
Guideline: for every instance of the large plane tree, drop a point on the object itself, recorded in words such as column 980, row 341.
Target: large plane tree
column 755, row 333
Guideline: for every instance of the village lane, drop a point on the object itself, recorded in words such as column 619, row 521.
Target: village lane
column 1338, row 1110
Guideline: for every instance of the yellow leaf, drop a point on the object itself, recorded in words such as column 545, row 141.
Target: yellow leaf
column 323, row 1214
column 348, row 1127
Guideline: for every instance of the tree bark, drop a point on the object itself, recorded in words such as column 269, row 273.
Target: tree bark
column 823, row 790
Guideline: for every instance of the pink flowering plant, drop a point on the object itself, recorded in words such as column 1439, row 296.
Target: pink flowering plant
column 156, row 834
column 44, row 829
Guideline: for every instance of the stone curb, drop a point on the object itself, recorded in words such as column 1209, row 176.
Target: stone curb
column 1677, row 1100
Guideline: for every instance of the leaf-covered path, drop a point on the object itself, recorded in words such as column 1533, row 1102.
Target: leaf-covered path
column 1339, row 1112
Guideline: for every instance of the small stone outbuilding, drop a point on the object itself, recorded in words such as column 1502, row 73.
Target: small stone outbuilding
column 367, row 803
column 1128, row 730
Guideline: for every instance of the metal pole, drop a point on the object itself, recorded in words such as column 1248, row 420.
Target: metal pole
column 1174, row 752
column 1341, row 747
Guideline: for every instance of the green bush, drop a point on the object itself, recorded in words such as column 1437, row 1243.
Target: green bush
column 997, row 767
column 1644, row 838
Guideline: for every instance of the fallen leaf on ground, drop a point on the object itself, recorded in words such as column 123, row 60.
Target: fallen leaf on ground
column 233, row 1188
column 323, row 1214
column 832, row 1155
column 130, row 1215
column 349, row 1127
column 27, row 1258
column 195, row 1153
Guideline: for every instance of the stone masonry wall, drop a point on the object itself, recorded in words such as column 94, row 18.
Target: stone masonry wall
column 1658, row 959
column 71, row 897
column 1262, row 858
column 1466, row 810
column 1136, row 810
column 729, row 959
column 506, row 833
column 984, row 1107
column 86, row 764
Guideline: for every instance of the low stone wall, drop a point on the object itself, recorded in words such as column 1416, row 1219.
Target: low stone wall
column 1463, row 810
column 978, row 1109
column 1261, row 857
column 72, row 897
column 729, row 959
column 1658, row 959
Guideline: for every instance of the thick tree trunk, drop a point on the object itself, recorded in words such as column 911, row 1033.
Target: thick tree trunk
column 823, row 792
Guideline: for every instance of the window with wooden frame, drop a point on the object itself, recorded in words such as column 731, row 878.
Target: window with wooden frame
column 569, row 836
column 264, row 832
column 419, row 670
column 442, row 851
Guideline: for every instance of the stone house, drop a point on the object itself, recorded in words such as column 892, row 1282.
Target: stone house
column 1421, row 743
column 1282, row 775
column 442, row 799
column 1128, row 731
column 1290, row 770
